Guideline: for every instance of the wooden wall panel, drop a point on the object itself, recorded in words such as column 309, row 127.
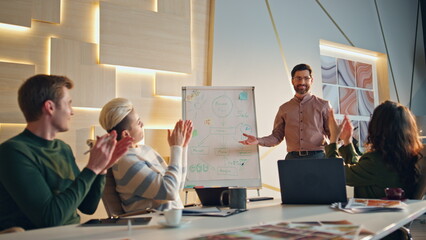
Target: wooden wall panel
column 94, row 83
column 11, row 77
column 382, row 76
column 70, row 47
column 78, row 22
column 134, row 85
column 157, row 139
column 144, row 39
column 16, row 12
column 81, row 125
column 150, row 5
column 20, row 12
column 170, row 84
column 179, row 8
column 76, row 138
column 47, row 10
column 10, row 130
column 23, row 47
column 155, row 112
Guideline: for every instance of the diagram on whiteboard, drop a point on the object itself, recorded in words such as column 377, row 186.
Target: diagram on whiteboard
column 220, row 117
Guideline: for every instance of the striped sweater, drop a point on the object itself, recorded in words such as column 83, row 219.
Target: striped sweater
column 144, row 180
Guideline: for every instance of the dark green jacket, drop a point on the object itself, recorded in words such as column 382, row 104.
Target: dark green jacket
column 41, row 185
column 369, row 175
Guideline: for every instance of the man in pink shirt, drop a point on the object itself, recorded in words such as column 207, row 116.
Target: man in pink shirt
column 302, row 120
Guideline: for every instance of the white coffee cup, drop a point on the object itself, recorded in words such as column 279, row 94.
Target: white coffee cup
column 173, row 216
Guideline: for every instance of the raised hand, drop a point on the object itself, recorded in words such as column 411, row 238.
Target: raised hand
column 120, row 149
column 101, row 152
column 188, row 134
column 251, row 140
column 333, row 126
column 343, row 131
column 347, row 131
column 178, row 135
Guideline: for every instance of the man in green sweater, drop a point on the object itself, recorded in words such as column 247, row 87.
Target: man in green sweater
column 40, row 183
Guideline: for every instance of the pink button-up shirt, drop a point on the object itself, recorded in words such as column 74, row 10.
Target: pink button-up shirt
column 303, row 123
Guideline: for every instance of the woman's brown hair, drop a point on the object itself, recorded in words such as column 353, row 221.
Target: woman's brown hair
column 393, row 132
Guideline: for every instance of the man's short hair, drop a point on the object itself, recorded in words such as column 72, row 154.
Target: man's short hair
column 301, row 67
column 36, row 90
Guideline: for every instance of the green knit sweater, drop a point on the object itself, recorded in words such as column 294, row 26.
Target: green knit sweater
column 369, row 175
column 41, row 185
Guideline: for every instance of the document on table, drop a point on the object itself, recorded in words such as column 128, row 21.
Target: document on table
column 292, row 230
column 360, row 205
column 210, row 211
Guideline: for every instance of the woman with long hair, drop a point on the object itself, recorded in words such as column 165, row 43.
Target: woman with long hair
column 393, row 152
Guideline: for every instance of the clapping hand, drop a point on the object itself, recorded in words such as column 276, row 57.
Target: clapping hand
column 343, row 131
column 347, row 131
column 178, row 135
column 188, row 134
column 106, row 151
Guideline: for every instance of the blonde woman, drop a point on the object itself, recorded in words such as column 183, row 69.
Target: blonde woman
column 143, row 178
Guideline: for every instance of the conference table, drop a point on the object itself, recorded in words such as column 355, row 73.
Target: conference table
column 379, row 224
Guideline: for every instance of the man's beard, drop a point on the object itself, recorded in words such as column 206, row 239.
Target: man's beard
column 301, row 91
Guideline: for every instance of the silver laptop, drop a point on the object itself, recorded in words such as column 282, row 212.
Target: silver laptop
column 312, row 181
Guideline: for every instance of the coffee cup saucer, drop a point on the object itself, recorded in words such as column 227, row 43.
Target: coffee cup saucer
column 165, row 224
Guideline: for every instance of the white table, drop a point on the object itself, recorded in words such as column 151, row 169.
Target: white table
column 259, row 213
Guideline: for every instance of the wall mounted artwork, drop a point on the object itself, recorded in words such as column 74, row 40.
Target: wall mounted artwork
column 348, row 85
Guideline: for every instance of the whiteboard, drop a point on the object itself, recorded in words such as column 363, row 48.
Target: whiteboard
column 220, row 116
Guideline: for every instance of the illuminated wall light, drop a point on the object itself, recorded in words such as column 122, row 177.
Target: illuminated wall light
column 48, row 54
column 49, row 45
column 142, row 70
column 132, row 69
column 348, row 52
column 168, row 72
column 13, row 124
column 9, row 60
column 96, row 32
column 92, row 132
column 174, row 98
column 172, row 73
column 62, row 6
column 14, row 27
column 87, row 109
column 96, row 28
column 155, row 6
column 159, row 127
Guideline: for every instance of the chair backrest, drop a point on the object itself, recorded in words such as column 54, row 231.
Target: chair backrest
column 110, row 197
column 420, row 190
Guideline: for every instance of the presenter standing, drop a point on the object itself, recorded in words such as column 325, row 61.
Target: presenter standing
column 302, row 120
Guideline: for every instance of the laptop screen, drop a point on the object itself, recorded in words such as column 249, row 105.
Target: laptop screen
column 312, row 181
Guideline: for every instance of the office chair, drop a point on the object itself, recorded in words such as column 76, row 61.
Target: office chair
column 418, row 194
column 112, row 201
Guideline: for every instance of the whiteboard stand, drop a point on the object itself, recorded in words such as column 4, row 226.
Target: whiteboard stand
column 259, row 198
column 220, row 115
